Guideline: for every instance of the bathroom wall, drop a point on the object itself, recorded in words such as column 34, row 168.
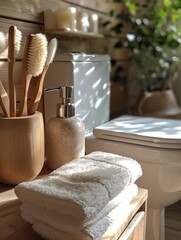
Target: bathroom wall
column 28, row 17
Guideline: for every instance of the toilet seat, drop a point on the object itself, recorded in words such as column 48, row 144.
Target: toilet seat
column 145, row 131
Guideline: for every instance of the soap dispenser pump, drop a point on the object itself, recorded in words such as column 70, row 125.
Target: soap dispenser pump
column 65, row 133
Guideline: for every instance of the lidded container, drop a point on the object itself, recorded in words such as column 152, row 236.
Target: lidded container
column 65, row 133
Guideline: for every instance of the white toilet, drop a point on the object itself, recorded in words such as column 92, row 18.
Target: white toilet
column 156, row 145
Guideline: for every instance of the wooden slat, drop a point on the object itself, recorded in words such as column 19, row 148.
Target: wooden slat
column 135, row 229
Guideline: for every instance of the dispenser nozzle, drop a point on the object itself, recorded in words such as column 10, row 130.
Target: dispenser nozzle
column 66, row 92
column 65, row 109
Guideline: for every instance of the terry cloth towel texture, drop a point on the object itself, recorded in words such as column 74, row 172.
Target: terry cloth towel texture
column 80, row 191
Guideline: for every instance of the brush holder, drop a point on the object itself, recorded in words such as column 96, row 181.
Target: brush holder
column 21, row 148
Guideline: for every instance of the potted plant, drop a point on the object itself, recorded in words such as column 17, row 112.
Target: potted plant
column 153, row 39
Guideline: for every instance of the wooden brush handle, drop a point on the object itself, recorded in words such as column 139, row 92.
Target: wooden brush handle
column 37, row 93
column 23, row 109
column 26, row 78
column 4, row 100
column 11, row 60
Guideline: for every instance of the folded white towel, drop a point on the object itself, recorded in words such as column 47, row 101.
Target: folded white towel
column 43, row 211
column 82, row 187
column 113, row 171
column 52, row 225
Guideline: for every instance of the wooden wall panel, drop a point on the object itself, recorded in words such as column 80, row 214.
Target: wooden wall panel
column 28, row 16
column 32, row 10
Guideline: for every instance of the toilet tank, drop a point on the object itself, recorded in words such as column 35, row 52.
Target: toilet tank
column 90, row 77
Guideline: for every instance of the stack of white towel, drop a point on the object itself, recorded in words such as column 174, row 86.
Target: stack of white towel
column 80, row 200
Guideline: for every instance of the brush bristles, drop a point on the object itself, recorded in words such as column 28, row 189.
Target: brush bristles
column 52, row 48
column 3, row 41
column 18, row 38
column 37, row 54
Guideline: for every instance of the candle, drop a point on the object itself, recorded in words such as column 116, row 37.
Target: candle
column 66, row 18
column 93, row 23
column 50, row 21
column 82, row 21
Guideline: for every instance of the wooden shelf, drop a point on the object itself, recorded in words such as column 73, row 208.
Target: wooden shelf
column 75, row 33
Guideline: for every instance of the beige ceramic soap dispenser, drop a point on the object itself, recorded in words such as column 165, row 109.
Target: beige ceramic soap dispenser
column 65, row 134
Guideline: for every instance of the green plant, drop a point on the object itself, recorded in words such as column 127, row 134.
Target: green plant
column 153, row 40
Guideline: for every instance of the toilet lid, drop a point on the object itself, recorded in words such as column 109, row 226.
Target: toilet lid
column 165, row 133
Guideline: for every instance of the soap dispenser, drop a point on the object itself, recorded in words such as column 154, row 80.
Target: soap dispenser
column 65, row 133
